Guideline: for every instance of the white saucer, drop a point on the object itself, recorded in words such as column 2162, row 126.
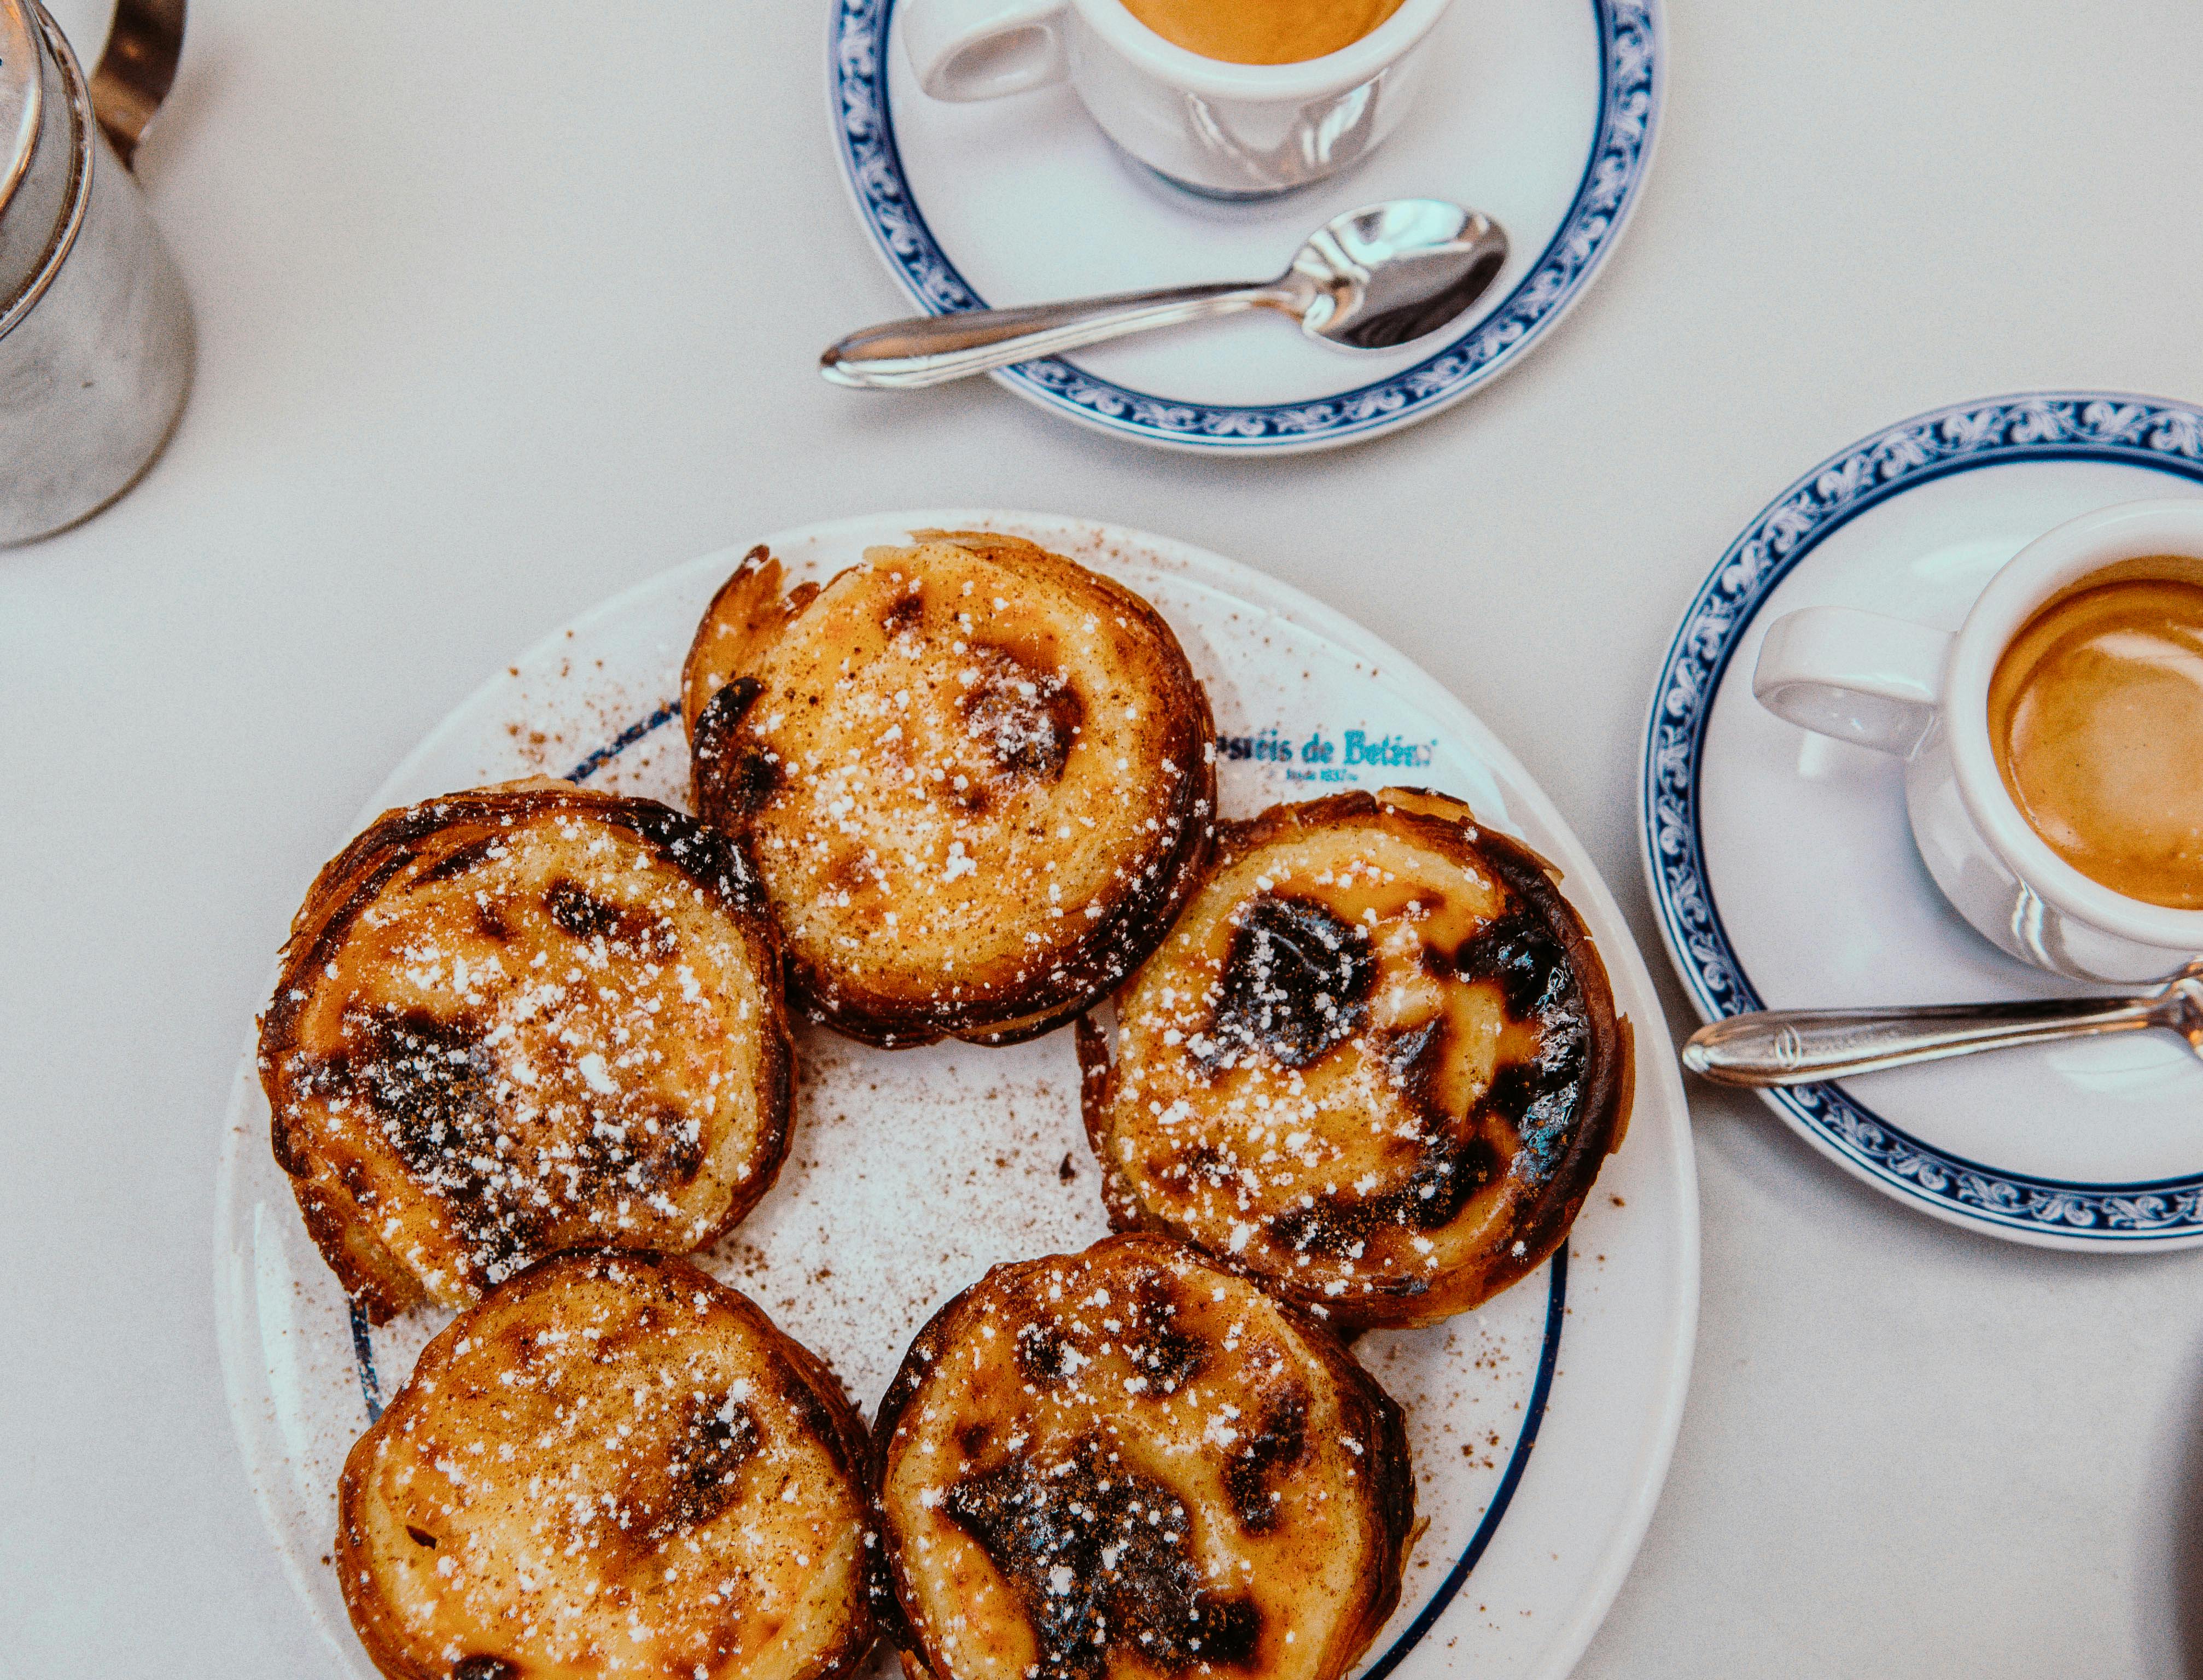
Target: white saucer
column 914, row 1171
column 1785, row 875
column 1539, row 113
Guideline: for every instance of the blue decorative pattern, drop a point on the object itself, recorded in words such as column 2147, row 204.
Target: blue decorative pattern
column 626, row 738
column 2135, row 431
column 362, row 1359
column 1556, row 1294
column 1630, row 82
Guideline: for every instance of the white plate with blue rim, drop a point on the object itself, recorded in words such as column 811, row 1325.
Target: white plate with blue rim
column 913, row 1170
column 1539, row 113
column 1783, row 873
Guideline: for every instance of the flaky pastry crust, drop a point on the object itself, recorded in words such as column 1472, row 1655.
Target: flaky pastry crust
column 612, row 1466
column 1134, row 1462
column 978, row 780
column 520, row 1019
column 1377, row 1062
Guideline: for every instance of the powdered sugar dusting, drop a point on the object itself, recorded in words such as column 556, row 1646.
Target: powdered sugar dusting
column 909, row 1172
column 913, row 1172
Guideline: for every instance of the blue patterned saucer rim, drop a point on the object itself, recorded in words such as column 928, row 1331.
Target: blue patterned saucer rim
column 1632, row 78
column 2153, row 432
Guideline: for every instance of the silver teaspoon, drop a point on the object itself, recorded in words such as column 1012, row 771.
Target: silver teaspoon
column 1368, row 279
column 1798, row 1046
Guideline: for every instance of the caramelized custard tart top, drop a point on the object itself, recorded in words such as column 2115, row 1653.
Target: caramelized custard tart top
column 1377, row 1062
column 1133, row 1462
column 976, row 779
column 521, row 1019
column 612, row 1466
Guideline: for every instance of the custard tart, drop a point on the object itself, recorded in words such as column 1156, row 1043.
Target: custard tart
column 976, row 778
column 612, row 1466
column 520, row 1019
column 1377, row 1062
column 1134, row 1462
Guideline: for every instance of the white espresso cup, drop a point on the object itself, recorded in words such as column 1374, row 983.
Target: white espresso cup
column 1922, row 696
column 1228, row 131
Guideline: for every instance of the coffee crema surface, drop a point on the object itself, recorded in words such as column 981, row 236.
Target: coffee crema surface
column 1262, row 32
column 2096, row 719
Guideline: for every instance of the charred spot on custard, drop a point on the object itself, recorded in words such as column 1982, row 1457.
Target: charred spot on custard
column 1448, row 1170
column 734, row 781
column 973, row 798
column 1148, row 1334
column 429, row 1084
column 1101, row 1560
column 679, row 1155
column 1296, row 982
column 1521, row 954
column 1414, row 1056
column 905, row 611
column 1447, row 1173
column 1332, row 1227
column 717, row 1437
column 578, row 912
column 484, row 1668
column 851, row 870
column 1152, row 1341
column 1044, row 1355
column 1201, row 1161
column 1540, row 1097
column 1024, row 718
column 1277, row 1441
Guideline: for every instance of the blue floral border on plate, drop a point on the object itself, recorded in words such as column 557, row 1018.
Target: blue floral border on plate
column 1630, row 80
column 2134, row 431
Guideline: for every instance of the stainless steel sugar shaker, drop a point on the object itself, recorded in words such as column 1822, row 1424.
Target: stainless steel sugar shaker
column 96, row 341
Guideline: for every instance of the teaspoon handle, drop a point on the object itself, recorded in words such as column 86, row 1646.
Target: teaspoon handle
column 928, row 349
column 1798, row 1046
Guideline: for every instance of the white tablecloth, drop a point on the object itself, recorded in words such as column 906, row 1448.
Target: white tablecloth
column 505, row 305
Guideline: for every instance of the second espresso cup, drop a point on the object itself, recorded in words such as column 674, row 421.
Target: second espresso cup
column 1923, row 695
column 1225, row 130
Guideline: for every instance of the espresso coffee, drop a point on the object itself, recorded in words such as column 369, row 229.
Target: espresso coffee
column 2095, row 714
column 1262, row 32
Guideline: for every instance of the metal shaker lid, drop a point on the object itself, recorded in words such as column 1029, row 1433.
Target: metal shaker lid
column 48, row 155
column 20, row 101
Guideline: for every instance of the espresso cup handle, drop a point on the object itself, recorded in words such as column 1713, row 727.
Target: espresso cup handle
column 967, row 49
column 1858, row 677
